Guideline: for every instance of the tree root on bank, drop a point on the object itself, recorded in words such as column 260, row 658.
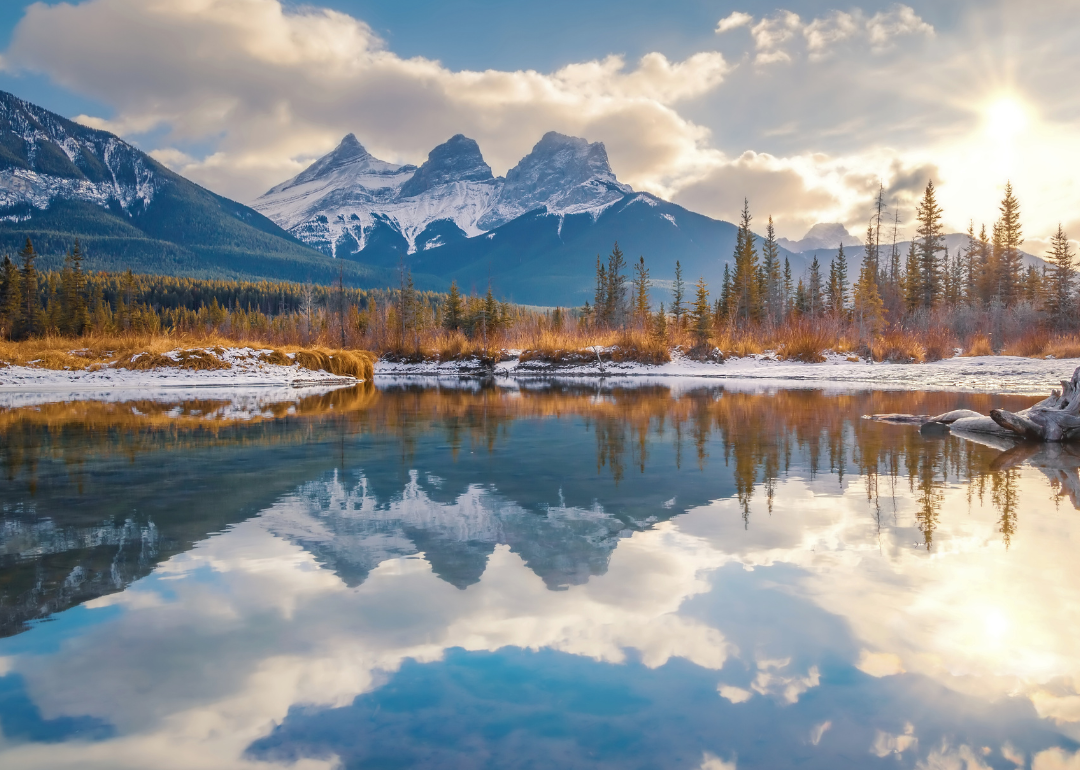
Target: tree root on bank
column 1055, row 419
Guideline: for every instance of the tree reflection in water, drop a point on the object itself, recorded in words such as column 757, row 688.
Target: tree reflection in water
column 161, row 457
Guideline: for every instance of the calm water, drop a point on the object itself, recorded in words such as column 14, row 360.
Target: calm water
column 559, row 576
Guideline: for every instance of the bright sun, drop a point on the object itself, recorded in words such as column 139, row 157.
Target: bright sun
column 1005, row 118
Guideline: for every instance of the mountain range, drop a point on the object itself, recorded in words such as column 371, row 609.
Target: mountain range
column 534, row 235
column 61, row 181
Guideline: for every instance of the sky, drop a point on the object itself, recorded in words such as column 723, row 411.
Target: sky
column 803, row 108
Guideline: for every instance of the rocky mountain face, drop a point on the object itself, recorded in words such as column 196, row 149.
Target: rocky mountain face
column 533, row 236
column 44, row 157
column 61, row 181
column 350, row 204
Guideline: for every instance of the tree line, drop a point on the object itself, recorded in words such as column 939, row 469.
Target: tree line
column 758, row 288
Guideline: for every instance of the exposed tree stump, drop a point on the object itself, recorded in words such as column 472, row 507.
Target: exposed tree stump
column 1056, row 418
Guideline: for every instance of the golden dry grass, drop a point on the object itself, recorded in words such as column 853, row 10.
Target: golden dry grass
column 574, row 348
column 147, row 351
column 802, row 342
column 1063, row 346
column 899, row 346
column 978, row 345
column 1030, row 345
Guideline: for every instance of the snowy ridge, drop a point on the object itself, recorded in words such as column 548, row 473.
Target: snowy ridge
column 337, row 203
column 51, row 158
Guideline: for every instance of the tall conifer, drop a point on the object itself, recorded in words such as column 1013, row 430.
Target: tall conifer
column 10, row 299
column 1062, row 278
column 745, row 301
column 930, row 239
column 1011, row 266
column 677, row 307
column 32, row 320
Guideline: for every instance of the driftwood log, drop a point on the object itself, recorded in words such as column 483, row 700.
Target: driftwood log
column 1054, row 419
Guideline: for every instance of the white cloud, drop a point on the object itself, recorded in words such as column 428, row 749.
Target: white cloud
column 242, row 94
column 817, row 731
column 272, row 88
column 879, row 664
column 776, row 36
column 733, row 21
column 900, row 20
column 711, row 762
column 822, row 34
column 1056, row 759
column 773, row 35
column 734, row 694
column 887, row 743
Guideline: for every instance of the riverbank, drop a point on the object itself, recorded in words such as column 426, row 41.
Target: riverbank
column 187, row 367
column 979, row 374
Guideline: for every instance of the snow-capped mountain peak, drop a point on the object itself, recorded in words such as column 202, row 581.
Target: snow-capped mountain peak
column 46, row 157
column 456, row 160
column 349, row 199
column 348, row 161
column 564, row 174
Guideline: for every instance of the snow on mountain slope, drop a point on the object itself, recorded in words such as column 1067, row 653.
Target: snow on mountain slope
column 343, row 197
column 349, row 200
column 564, row 174
column 44, row 157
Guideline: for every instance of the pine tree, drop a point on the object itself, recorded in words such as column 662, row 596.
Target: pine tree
column 837, row 289
column 76, row 316
column 785, row 307
column 770, row 268
column 813, row 290
column 700, row 315
column 725, row 293
column 677, row 290
column 1011, row 265
column 1060, row 297
column 454, row 315
column 642, row 284
column 986, row 277
column 490, row 318
column 870, row 248
column 1032, row 287
column 913, row 284
column 615, row 311
column 32, row 319
column 966, row 257
column 879, row 206
column 868, row 305
column 957, row 280
column 10, row 299
column 54, row 311
column 745, row 300
column 930, row 238
column 802, row 299
column 600, row 298
column 659, row 324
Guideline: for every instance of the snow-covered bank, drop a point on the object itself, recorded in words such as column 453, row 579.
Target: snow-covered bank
column 246, row 367
column 225, row 404
column 981, row 374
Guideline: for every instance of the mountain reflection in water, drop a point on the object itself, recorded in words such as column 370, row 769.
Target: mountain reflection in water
column 578, row 575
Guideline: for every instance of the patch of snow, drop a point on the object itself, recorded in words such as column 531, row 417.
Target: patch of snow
column 670, row 218
column 247, row 369
column 985, row 374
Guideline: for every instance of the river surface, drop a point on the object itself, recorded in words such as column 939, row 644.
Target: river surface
column 423, row 575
